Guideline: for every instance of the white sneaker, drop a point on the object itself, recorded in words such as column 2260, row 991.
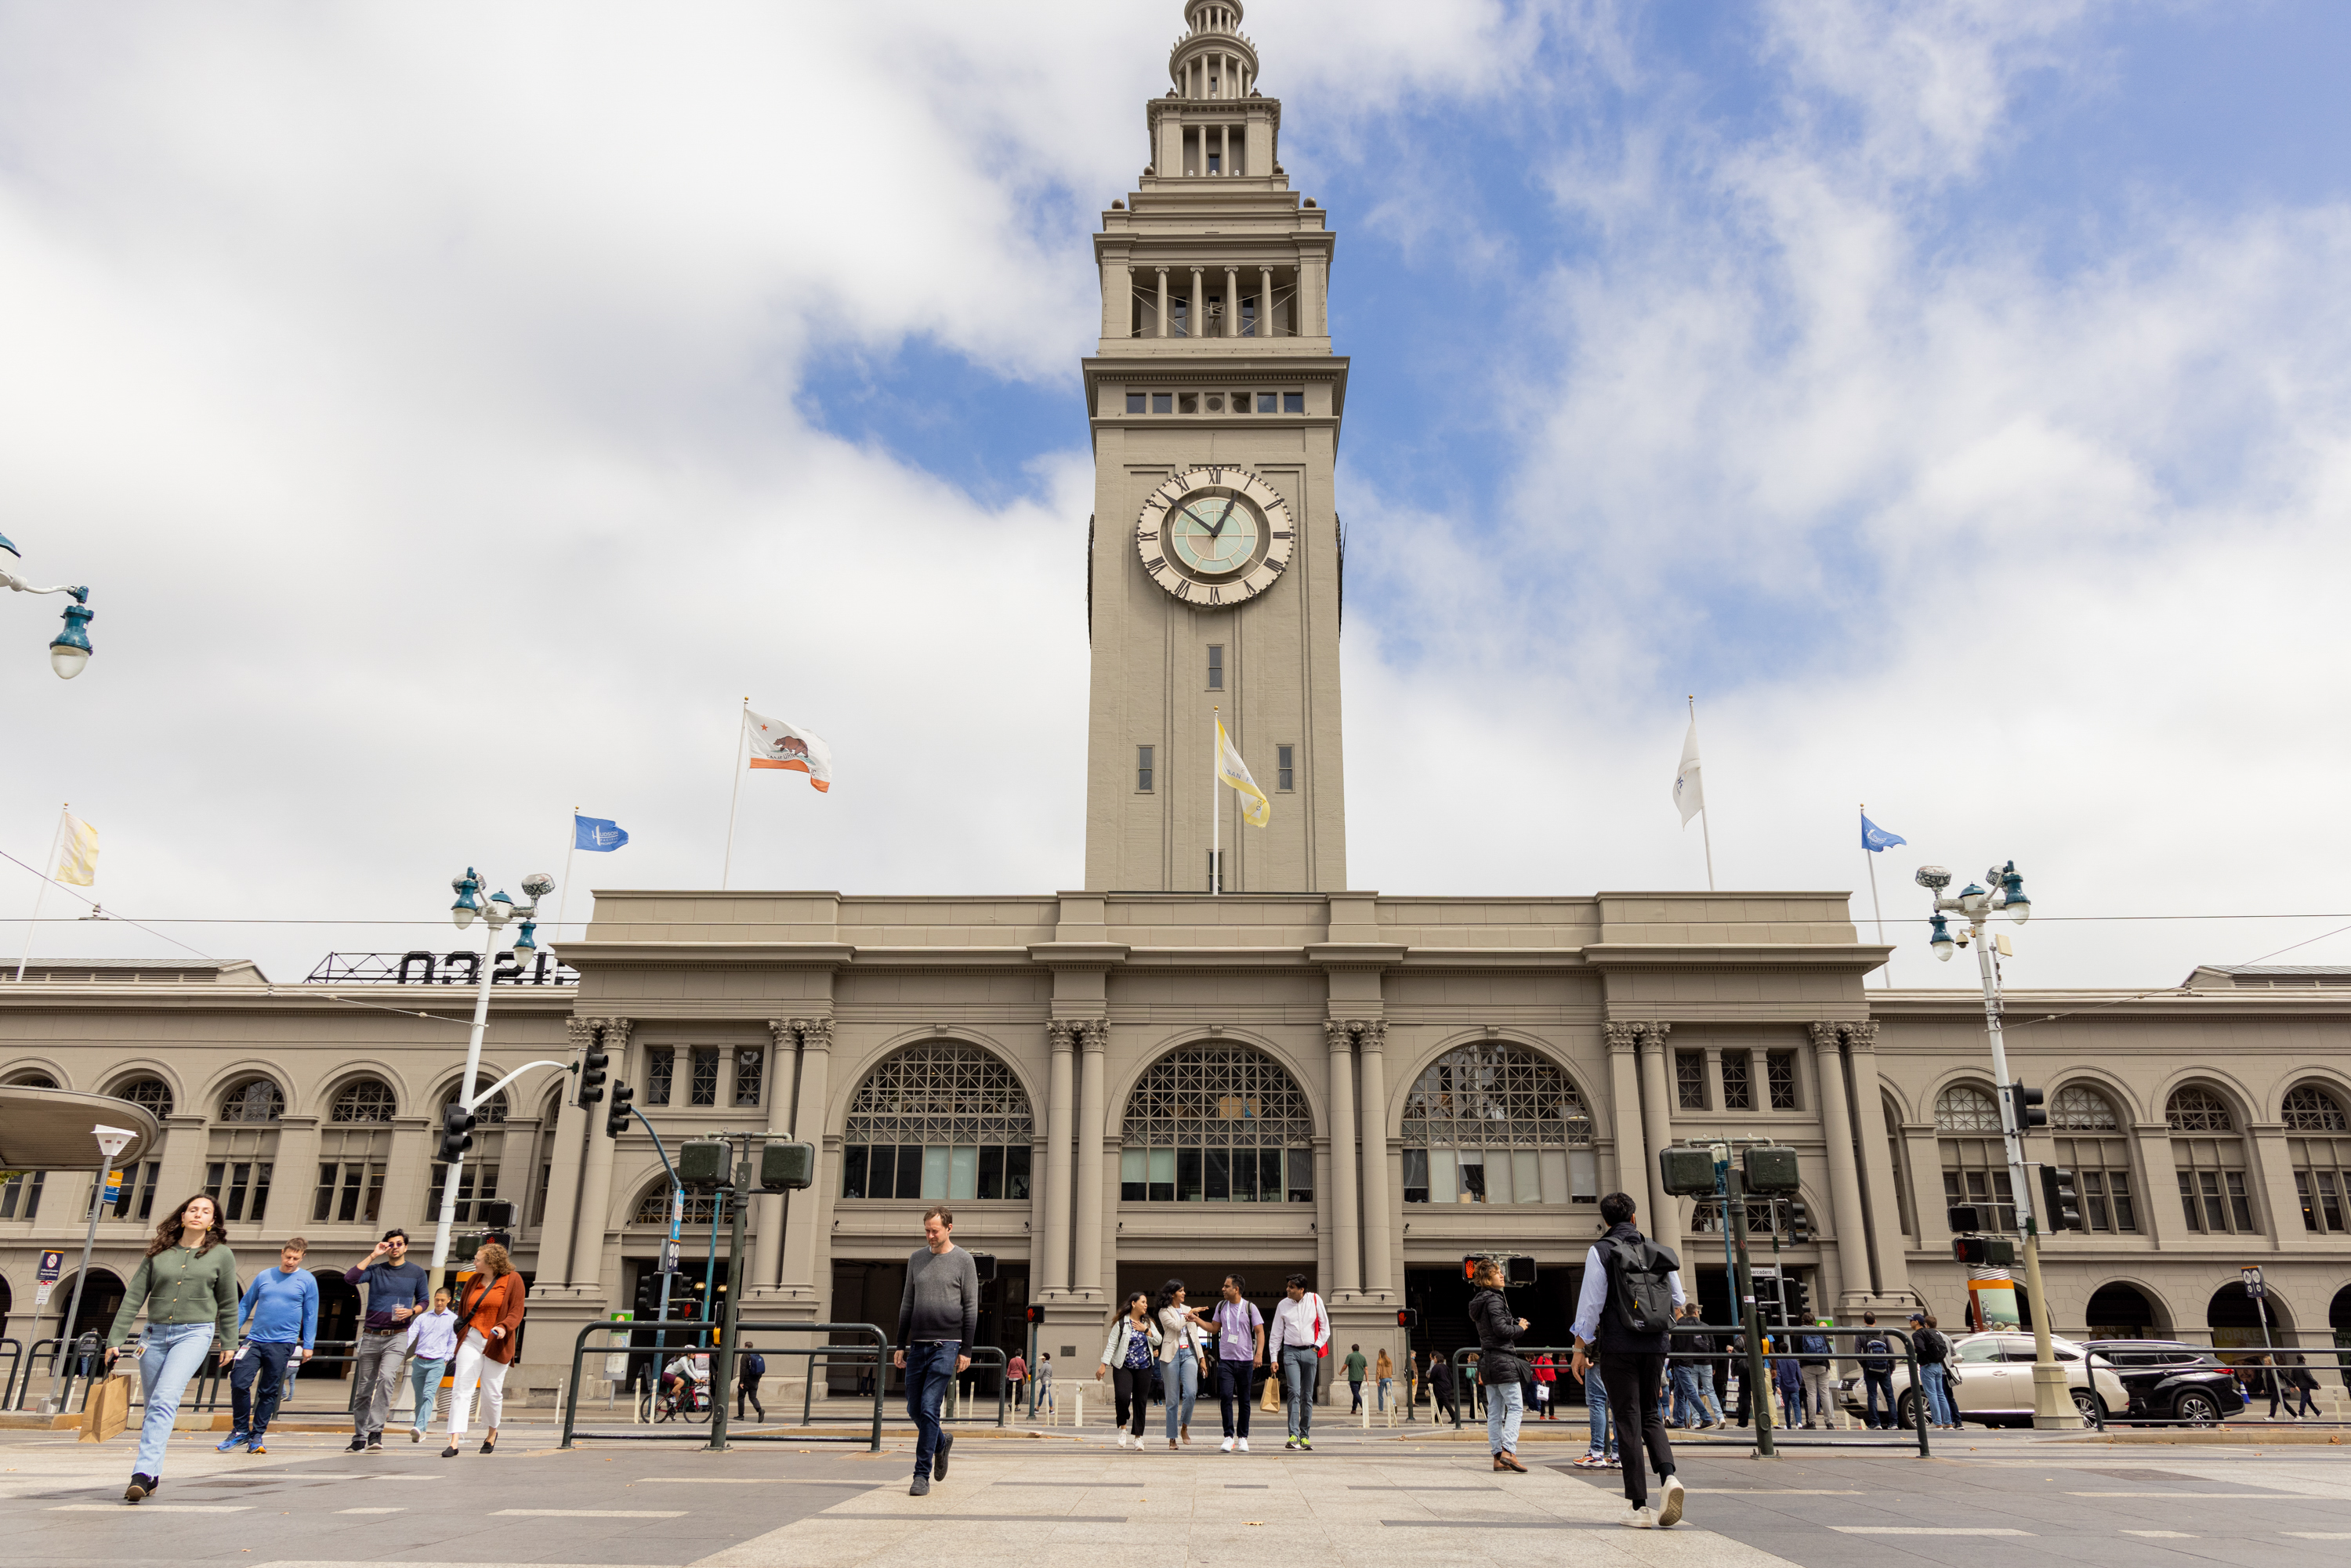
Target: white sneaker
column 1121, row 1438
column 1639, row 1519
column 1671, row 1513
column 1243, row 1444
column 1227, row 1444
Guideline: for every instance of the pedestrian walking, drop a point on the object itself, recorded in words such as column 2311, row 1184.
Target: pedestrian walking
column 1240, row 1350
column 283, row 1305
column 187, row 1284
column 1601, row 1454
column 1632, row 1291
column 1016, row 1372
column 1500, row 1369
column 1383, row 1373
column 1694, row 1371
column 1876, row 1372
column 1788, row 1382
column 431, row 1347
column 1546, row 1373
column 2299, row 1385
column 750, row 1368
column 490, row 1311
column 397, row 1290
column 938, row 1319
column 1183, row 1353
column 1128, row 1359
column 1355, row 1364
column 1300, row 1338
column 1934, row 1350
column 1443, row 1398
column 1815, row 1361
column 1044, row 1380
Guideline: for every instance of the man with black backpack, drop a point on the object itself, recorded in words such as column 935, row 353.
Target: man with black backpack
column 750, row 1368
column 1632, row 1291
column 1876, row 1372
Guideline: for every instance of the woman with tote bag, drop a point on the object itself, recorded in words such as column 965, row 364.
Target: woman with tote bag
column 491, row 1311
column 187, row 1283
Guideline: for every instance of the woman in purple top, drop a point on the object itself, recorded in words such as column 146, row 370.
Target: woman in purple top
column 1241, row 1347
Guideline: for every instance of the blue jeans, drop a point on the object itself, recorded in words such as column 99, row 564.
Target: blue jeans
column 267, row 1362
column 169, row 1356
column 1300, row 1370
column 1595, row 1404
column 423, row 1388
column 1183, row 1388
column 1874, row 1385
column 1694, row 1395
column 1939, row 1409
column 1505, row 1403
column 930, row 1367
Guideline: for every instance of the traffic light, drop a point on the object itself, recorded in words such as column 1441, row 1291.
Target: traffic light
column 785, row 1166
column 1407, row 1318
column 2029, row 1113
column 616, row 1120
column 2060, row 1200
column 1797, row 1297
column 1519, row 1271
column 1985, row 1251
column 1800, row 1222
column 1036, row 1314
column 456, row 1131
column 984, row 1265
column 702, row 1165
column 1687, row 1172
column 1963, row 1218
column 593, row 1065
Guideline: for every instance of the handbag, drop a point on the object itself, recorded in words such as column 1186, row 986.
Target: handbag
column 108, row 1410
column 1271, row 1402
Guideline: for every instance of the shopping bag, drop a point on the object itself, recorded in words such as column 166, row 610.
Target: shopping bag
column 1272, row 1400
column 108, row 1411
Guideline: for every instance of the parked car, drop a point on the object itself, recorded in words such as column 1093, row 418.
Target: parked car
column 2168, row 1381
column 1994, row 1381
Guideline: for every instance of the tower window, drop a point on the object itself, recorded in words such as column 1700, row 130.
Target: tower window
column 1216, row 669
column 1285, row 772
column 1135, row 402
column 1216, row 402
column 1240, row 402
column 1179, row 316
column 1249, row 318
column 1142, row 769
column 1216, row 160
column 1187, row 402
column 1163, row 402
column 1265, row 403
column 1293, row 403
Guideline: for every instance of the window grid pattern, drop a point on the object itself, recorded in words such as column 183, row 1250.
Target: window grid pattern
column 661, row 1067
column 941, row 1120
column 703, row 1088
column 255, row 1100
column 1216, row 1124
column 1967, row 1108
column 2197, row 1108
column 2101, row 1175
column 1975, row 1172
column 367, row 1100
column 1738, row 1082
column 2310, row 1109
column 478, row 1183
column 490, row 1112
column 750, row 1070
column 149, row 1093
column 350, row 1191
column 653, row 1206
column 1780, row 1074
column 1689, row 1079
column 2079, row 1108
column 1494, row 1095
column 241, row 1188
column 2322, row 1181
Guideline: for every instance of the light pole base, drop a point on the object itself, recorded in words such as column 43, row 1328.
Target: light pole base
column 2053, row 1400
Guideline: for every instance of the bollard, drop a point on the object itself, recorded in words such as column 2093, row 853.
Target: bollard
column 1078, row 1414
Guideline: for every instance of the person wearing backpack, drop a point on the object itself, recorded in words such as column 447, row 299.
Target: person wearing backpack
column 1876, row 1372
column 1632, row 1292
column 1815, row 1358
column 750, row 1368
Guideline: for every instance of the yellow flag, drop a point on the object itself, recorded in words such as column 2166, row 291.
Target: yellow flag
column 1256, row 811
column 78, row 860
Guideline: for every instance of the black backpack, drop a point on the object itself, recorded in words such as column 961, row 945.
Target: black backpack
column 1876, row 1354
column 1637, row 1286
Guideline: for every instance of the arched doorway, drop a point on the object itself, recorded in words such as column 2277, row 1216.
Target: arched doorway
column 2117, row 1311
column 100, row 1300
column 339, row 1323
column 2237, row 1319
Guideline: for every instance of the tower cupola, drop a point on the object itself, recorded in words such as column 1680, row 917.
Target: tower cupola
column 1213, row 60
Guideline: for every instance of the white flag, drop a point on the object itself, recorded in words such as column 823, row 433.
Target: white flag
column 1689, row 789
column 1256, row 809
column 77, row 857
column 775, row 744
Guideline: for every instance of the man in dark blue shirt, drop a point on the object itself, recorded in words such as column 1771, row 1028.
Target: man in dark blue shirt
column 397, row 1290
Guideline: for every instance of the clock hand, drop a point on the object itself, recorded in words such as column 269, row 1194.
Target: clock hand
column 1222, row 519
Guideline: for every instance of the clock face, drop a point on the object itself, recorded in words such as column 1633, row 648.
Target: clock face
column 1215, row 536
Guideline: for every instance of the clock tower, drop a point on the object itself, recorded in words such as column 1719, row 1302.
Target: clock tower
column 1214, row 560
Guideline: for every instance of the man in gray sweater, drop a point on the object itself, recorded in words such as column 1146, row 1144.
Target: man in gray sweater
column 938, row 1318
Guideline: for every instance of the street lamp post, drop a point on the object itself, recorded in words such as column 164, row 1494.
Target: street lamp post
column 69, row 649
column 2052, row 1401
column 495, row 914
column 111, row 1140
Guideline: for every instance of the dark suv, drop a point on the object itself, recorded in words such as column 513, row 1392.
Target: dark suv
column 2168, row 1381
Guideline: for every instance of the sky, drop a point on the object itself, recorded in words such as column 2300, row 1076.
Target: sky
column 458, row 412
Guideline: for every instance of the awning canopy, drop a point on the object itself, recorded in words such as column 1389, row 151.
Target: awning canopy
column 49, row 1129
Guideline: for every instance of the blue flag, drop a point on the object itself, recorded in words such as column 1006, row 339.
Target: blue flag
column 603, row 834
column 1873, row 837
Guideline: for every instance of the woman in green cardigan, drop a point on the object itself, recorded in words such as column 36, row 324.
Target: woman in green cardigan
column 187, row 1283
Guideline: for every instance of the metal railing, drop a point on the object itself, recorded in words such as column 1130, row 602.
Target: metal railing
column 878, row 1363
column 879, row 1343
column 16, row 1353
column 982, row 1356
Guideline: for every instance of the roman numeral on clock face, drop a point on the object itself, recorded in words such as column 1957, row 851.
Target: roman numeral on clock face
column 1155, row 565
column 1283, row 534
column 1216, row 596
column 1148, row 535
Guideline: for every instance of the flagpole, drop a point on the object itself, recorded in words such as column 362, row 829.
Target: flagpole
column 1215, row 804
column 742, row 726
column 56, row 840
column 1871, row 856
column 563, row 905
column 1705, row 817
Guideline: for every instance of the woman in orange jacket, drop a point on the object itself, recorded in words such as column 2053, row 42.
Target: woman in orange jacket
column 490, row 1312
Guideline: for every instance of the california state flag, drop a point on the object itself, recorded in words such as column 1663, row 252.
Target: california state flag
column 775, row 744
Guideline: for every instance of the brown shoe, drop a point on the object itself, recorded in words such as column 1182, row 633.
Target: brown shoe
column 1510, row 1461
column 1497, row 1463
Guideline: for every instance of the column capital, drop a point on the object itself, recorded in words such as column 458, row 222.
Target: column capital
column 1161, row 269
column 1094, row 1034
column 581, row 1030
column 1621, row 1037
column 1062, row 1033
column 1338, row 1034
column 1861, row 1036
column 1824, row 1037
column 1373, row 1033
column 1653, row 1035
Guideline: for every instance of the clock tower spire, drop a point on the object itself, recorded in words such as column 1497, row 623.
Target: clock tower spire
column 1213, row 561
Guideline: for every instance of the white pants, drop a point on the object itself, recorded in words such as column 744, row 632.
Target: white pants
column 473, row 1366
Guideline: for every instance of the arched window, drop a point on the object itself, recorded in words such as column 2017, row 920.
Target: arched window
column 364, row 1100
column 1975, row 1160
column 1494, row 1122
column 149, row 1092
column 253, row 1100
column 490, row 1112
column 2322, row 1164
column 1216, row 1124
column 32, row 1080
column 2215, row 1192
column 653, row 1206
column 137, row 1196
column 941, row 1120
column 2091, row 1144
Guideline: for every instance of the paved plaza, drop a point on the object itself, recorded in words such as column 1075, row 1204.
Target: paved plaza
column 1040, row 1500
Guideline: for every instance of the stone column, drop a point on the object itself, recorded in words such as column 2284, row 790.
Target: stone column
column 767, row 1208
column 1347, row 1243
column 1844, row 1176
column 564, row 1171
column 1053, row 1268
column 1093, row 1035
column 1379, row 1219
column 1118, row 300
column 1225, row 147
column 183, row 1160
column 803, row 1252
column 596, row 1183
column 1265, row 302
column 1886, row 1248
column 2272, row 1177
column 1714, row 1078
column 1232, row 301
column 1195, row 328
column 1163, row 299
column 2158, row 1178
column 1624, row 1114
column 1662, row 1217
column 294, row 1179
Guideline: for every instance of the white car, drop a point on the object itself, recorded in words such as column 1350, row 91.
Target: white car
column 1994, row 1381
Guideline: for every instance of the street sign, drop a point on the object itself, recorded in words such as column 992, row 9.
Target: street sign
column 113, row 1185
column 2255, row 1288
column 616, row 1362
column 45, row 1278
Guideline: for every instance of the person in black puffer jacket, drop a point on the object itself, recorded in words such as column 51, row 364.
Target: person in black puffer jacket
column 1500, row 1368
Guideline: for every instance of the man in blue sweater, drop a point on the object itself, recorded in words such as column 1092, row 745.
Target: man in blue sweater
column 283, row 1304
